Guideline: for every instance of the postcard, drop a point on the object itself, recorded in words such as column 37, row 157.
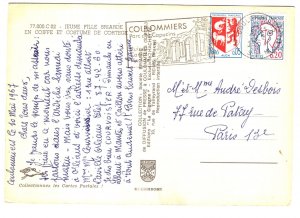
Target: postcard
column 149, row 104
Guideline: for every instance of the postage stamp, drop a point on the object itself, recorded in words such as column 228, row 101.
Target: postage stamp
column 170, row 41
column 226, row 36
column 266, row 38
column 263, row 36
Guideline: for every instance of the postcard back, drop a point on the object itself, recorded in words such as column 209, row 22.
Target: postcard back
column 120, row 104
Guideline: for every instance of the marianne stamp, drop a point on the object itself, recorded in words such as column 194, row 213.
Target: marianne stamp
column 170, row 41
column 263, row 36
column 266, row 38
column 226, row 36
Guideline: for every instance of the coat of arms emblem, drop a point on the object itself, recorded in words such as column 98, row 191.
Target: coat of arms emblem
column 148, row 170
column 226, row 34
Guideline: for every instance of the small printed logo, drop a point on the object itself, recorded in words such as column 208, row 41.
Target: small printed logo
column 148, row 170
column 30, row 172
column 226, row 35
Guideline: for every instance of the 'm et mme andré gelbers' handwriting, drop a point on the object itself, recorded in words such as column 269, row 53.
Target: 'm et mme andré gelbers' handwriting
column 229, row 109
column 200, row 88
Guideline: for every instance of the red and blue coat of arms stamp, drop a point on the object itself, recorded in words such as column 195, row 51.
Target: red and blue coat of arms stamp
column 226, row 35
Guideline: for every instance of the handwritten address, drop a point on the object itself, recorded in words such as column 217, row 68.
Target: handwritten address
column 221, row 128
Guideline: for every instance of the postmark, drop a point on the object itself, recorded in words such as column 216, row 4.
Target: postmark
column 170, row 41
column 147, row 170
column 263, row 36
column 226, row 36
